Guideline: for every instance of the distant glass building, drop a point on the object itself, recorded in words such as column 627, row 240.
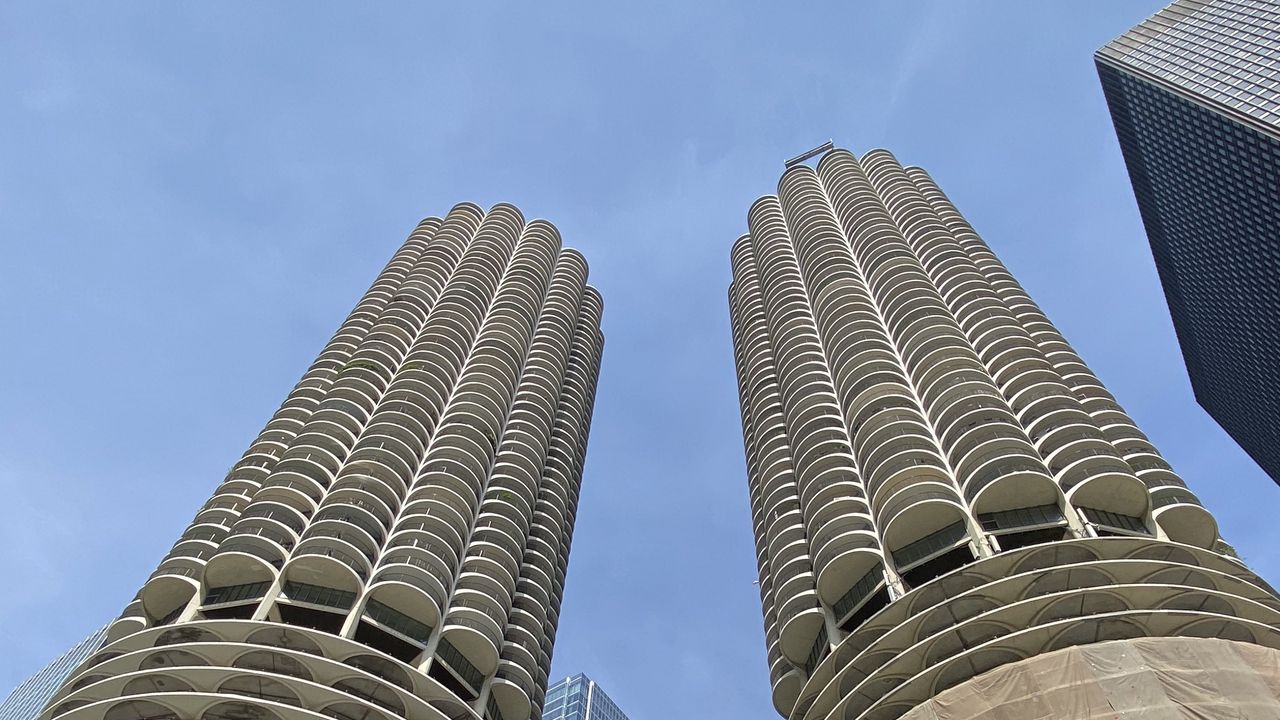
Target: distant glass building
column 579, row 698
column 26, row 701
column 1194, row 93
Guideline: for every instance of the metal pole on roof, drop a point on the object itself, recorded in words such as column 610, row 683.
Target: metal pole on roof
column 806, row 155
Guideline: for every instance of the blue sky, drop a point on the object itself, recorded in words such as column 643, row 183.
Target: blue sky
column 192, row 196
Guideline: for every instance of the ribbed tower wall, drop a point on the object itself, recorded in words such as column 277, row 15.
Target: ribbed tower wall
column 394, row 542
column 939, row 484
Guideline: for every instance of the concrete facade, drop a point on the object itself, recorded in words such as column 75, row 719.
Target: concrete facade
column 394, row 542
column 940, row 486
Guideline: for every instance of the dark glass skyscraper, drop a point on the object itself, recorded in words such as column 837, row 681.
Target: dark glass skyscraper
column 579, row 698
column 1194, row 92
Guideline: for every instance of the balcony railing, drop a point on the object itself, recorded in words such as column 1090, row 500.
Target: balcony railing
column 236, row 593
column 319, row 595
column 393, row 619
column 931, row 544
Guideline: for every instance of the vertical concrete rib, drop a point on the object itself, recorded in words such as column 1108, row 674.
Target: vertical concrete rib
column 513, row 490
column 782, row 543
column 557, row 506
column 816, row 433
column 376, row 543
column 473, row 428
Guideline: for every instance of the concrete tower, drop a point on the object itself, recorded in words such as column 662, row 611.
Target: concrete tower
column 394, row 543
column 941, row 488
column 1194, row 92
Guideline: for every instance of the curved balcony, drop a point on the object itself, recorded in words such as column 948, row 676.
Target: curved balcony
column 331, row 440
column 339, row 532
column 375, row 478
column 412, row 402
column 359, row 386
column 902, row 415
column 801, row 619
column 407, row 568
column 785, row 567
column 822, row 471
column 917, row 510
column 908, row 468
column 938, row 375
column 999, row 340
column 944, row 341
column 542, row 553
column 274, row 539
column 455, row 469
column 845, row 558
column 507, row 531
column 330, row 558
column 786, row 689
column 968, row 386
column 392, row 458
column 1104, row 482
column 979, row 428
column 874, row 406
column 475, row 638
column 1064, row 416
column 169, row 590
column 494, row 562
column 231, row 500
column 284, row 517
column 947, row 417
column 404, row 415
column 1154, row 471
column 442, row 490
column 236, row 565
column 193, row 552
column 518, row 667
column 1038, row 396
column 293, row 488
column 212, row 533
column 1182, row 517
column 132, row 620
column 1015, row 372
column 520, row 455
column 509, row 695
column 413, row 614
column 436, row 517
column 522, row 648
column 830, row 487
column 359, row 510
column 1029, row 377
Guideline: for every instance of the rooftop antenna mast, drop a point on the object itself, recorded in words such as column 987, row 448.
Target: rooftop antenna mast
column 806, row 155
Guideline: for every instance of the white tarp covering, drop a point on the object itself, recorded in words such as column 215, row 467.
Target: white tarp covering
column 1140, row 679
